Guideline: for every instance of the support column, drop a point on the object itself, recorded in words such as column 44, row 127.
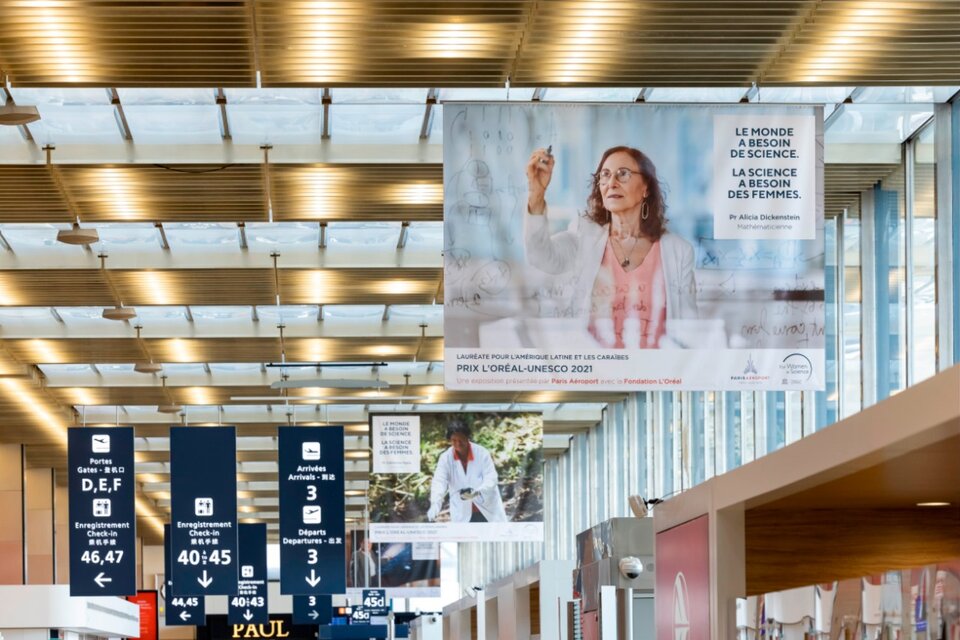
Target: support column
column 61, row 533
column 38, row 489
column 11, row 506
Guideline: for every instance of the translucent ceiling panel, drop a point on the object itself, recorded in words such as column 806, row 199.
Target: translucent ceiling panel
column 167, row 96
column 363, row 234
column 24, row 238
column 376, row 124
column 61, row 96
column 284, row 313
column 379, row 96
column 238, row 367
column 697, row 94
column 183, row 368
column 942, row 94
column 428, row 313
column 141, row 237
column 425, row 235
column 202, row 236
column 174, row 124
column 80, row 314
column 158, row 314
column 26, row 314
column 353, row 311
column 273, row 96
column 282, row 234
column 881, row 95
column 877, row 123
column 11, row 136
column 204, row 314
column 804, row 95
column 76, row 124
column 887, row 95
column 589, row 94
column 455, row 95
column 264, row 123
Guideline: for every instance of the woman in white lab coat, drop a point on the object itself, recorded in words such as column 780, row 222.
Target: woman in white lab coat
column 465, row 471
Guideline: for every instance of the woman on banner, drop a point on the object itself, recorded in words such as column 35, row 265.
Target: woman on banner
column 632, row 275
column 465, row 471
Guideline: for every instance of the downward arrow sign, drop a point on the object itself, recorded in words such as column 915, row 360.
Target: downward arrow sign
column 184, row 616
column 314, row 615
column 247, row 615
column 102, row 579
column 205, row 580
column 313, row 579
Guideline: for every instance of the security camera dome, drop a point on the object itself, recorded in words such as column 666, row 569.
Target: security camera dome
column 631, row 567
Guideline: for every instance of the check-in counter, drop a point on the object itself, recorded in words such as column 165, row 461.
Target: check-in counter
column 29, row 612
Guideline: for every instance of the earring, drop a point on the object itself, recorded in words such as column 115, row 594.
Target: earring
column 644, row 210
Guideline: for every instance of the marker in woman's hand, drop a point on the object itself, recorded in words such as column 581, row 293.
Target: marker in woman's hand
column 549, row 155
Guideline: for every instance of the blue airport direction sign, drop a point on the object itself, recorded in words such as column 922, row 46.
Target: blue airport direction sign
column 180, row 610
column 249, row 606
column 312, row 609
column 203, row 488
column 312, row 530
column 102, row 501
column 375, row 602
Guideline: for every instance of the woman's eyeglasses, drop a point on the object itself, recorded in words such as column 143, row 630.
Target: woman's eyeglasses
column 622, row 175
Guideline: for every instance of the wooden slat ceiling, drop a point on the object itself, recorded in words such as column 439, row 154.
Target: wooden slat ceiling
column 121, row 43
column 872, row 43
column 174, row 193
column 220, row 193
column 652, row 43
column 304, row 192
column 92, row 287
column 378, row 43
column 388, row 42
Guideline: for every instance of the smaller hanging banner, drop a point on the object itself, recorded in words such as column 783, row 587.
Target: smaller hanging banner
column 180, row 610
column 249, row 606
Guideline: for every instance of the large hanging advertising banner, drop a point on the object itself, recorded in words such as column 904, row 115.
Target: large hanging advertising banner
column 479, row 477
column 626, row 247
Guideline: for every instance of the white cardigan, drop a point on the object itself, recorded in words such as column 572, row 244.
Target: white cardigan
column 580, row 249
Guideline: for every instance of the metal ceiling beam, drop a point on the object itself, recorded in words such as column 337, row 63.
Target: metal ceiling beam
column 119, row 115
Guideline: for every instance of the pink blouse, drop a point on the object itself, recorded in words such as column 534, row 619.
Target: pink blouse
column 629, row 309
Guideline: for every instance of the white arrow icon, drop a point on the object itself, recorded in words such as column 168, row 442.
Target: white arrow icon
column 314, row 615
column 247, row 615
column 184, row 616
column 313, row 579
column 205, row 580
column 102, row 579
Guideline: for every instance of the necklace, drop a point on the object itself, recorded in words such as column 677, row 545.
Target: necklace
column 625, row 261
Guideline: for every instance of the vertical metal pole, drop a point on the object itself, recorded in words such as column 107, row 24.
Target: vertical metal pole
column 841, row 290
column 909, row 194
